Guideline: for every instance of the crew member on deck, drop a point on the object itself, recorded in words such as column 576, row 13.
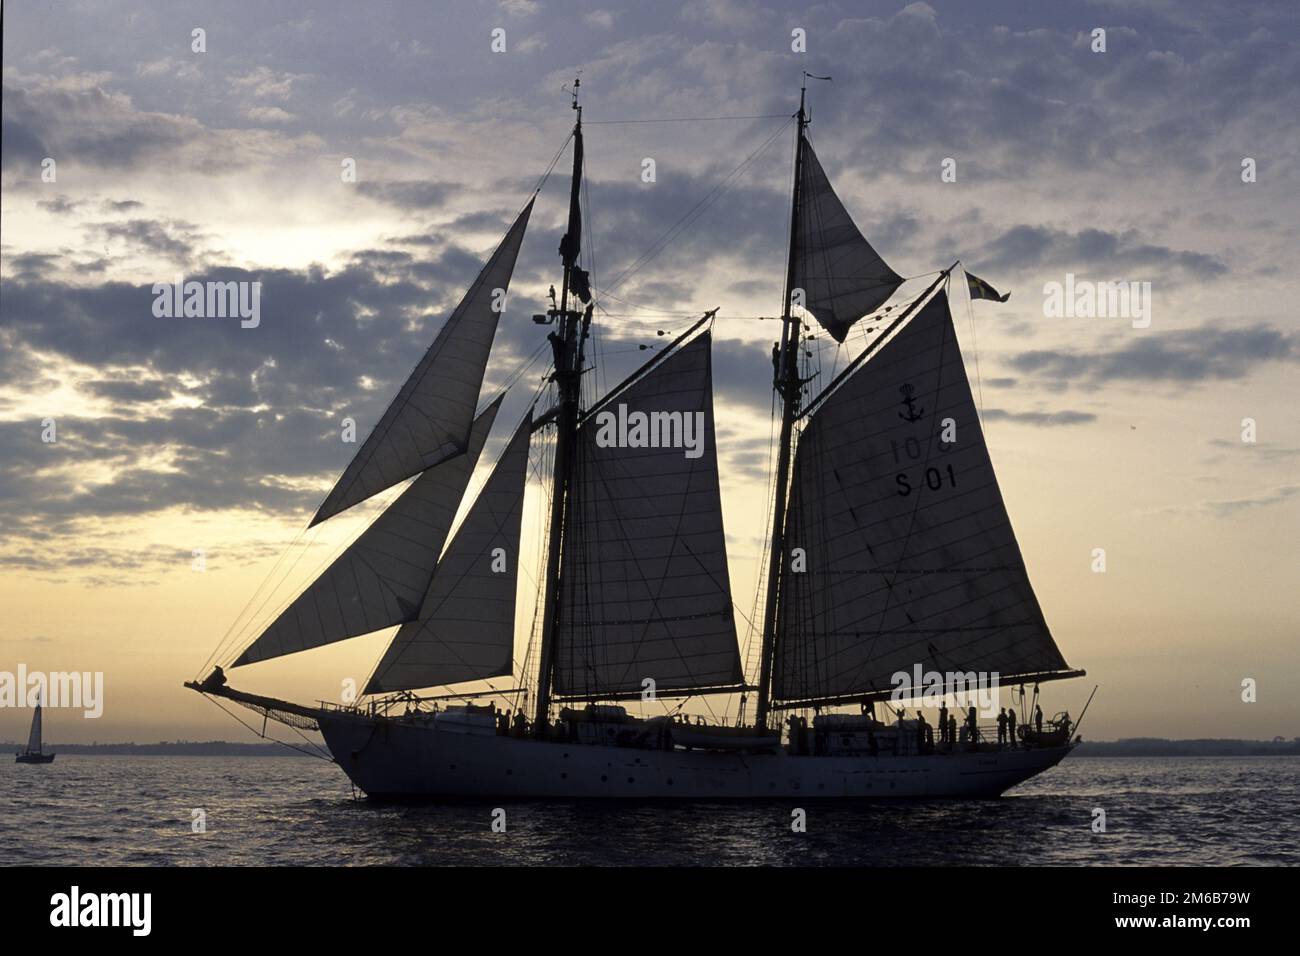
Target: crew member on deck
column 1011, row 726
column 1038, row 718
column 943, row 723
column 972, row 725
column 952, row 731
column 1002, row 726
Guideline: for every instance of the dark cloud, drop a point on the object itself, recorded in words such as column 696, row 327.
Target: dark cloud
column 88, row 126
column 1048, row 419
column 128, row 391
column 415, row 194
column 60, row 205
column 1202, row 354
column 1025, row 247
column 172, row 240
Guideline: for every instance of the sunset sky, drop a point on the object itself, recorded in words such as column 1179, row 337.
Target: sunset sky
column 175, row 435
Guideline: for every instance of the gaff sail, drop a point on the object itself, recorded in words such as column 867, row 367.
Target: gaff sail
column 905, row 552
column 645, row 591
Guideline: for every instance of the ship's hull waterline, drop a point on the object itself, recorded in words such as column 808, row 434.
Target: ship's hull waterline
column 397, row 760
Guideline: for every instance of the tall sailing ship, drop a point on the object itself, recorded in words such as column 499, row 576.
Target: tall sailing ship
column 890, row 552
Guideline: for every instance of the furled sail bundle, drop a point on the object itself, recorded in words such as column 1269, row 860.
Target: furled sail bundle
column 842, row 277
column 381, row 578
column 466, row 626
column 645, row 589
column 429, row 420
column 910, row 555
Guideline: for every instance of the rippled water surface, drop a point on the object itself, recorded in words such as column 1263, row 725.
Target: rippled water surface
column 292, row 810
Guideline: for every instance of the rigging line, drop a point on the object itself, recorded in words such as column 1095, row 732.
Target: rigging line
column 974, row 344
column 316, row 572
column 695, row 211
column 597, row 340
column 760, row 589
column 687, row 119
column 263, row 736
column 217, row 651
column 547, row 175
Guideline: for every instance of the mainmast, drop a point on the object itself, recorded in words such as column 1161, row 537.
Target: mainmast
column 788, row 385
column 567, row 343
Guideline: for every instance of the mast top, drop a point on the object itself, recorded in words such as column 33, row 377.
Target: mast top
column 803, row 90
column 573, row 91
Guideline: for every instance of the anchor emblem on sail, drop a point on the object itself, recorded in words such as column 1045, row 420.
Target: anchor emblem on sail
column 914, row 414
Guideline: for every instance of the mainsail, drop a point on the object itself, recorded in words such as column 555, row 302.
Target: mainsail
column 906, row 554
column 842, row 277
column 429, row 420
column 645, row 590
column 466, row 627
column 381, row 578
column 34, row 739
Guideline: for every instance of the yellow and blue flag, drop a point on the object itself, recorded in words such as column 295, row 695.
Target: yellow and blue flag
column 979, row 289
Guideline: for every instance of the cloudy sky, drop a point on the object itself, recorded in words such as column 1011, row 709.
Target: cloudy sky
column 176, row 435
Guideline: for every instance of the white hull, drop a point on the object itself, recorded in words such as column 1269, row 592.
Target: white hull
column 401, row 760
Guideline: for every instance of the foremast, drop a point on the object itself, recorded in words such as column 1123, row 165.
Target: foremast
column 789, row 386
column 567, row 343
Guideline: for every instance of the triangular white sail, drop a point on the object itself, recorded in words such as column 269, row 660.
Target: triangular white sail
column 645, row 591
column 382, row 577
column 842, row 277
column 906, row 555
column 34, row 739
column 429, row 420
column 466, row 627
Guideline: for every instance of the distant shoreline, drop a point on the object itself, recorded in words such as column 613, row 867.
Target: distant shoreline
column 1131, row 747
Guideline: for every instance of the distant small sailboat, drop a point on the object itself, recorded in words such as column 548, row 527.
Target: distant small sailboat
column 33, row 753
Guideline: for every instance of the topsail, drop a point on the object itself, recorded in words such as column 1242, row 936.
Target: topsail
column 842, row 277
column 906, row 553
column 429, row 420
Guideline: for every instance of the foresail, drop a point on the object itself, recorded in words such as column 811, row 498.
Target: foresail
column 842, row 277
column 906, row 555
column 381, row 578
column 645, row 590
column 429, row 420
column 466, row 627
